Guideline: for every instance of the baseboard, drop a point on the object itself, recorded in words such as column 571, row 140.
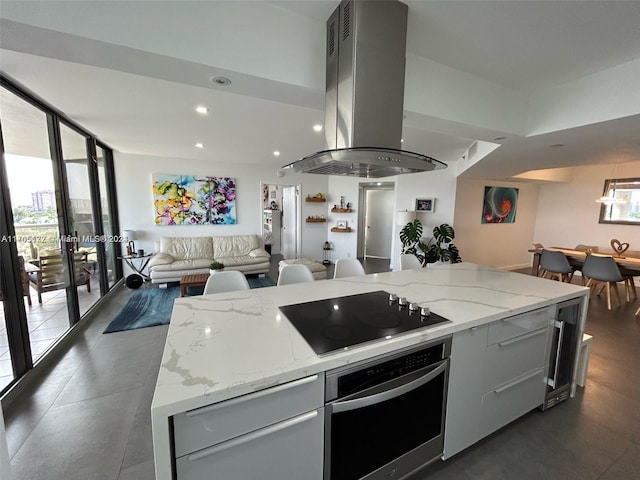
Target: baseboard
column 515, row 267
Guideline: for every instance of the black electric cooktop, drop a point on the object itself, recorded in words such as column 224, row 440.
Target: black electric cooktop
column 339, row 323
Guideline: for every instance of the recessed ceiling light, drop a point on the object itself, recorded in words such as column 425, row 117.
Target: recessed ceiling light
column 222, row 81
column 276, row 153
column 557, row 145
column 317, row 128
column 202, row 109
column 402, row 140
column 199, row 145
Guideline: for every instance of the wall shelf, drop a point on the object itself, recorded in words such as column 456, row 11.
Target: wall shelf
column 341, row 230
column 315, row 200
column 341, row 210
column 315, row 220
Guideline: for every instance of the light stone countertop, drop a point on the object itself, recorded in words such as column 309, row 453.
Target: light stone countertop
column 230, row 344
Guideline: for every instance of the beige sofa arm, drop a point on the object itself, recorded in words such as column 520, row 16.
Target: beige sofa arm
column 258, row 253
column 160, row 259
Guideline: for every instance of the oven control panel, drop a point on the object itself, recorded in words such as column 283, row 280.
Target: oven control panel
column 386, row 370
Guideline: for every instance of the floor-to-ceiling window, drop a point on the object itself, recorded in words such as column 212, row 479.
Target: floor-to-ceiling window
column 56, row 206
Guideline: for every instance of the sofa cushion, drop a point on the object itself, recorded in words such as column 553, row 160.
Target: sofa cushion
column 234, row 246
column 259, row 253
column 160, row 259
column 242, row 260
column 183, row 265
column 187, row 248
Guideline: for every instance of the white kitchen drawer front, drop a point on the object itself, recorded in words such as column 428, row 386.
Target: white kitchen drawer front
column 203, row 427
column 504, row 404
column 519, row 324
column 511, row 358
column 292, row 449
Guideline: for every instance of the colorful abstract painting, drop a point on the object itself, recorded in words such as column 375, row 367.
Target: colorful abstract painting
column 194, row 200
column 500, row 205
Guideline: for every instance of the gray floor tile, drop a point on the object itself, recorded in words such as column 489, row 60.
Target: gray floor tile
column 141, row 471
column 626, row 467
column 80, row 441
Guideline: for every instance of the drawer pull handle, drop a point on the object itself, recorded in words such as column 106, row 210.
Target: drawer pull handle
column 259, row 394
column 252, row 436
column 522, row 337
column 513, row 383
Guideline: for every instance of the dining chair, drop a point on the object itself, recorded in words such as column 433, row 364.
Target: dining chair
column 226, row 281
column 409, row 262
column 296, row 273
column 348, row 267
column 51, row 276
column 24, row 279
column 556, row 265
column 603, row 271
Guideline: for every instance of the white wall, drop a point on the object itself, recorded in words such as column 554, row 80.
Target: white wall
column 441, row 185
column 568, row 213
column 500, row 245
column 135, row 198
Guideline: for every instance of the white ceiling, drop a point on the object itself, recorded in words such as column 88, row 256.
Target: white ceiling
column 132, row 73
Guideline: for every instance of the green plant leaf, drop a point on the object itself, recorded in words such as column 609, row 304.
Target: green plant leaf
column 444, row 233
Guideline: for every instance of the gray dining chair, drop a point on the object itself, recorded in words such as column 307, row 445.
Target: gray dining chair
column 602, row 271
column 556, row 266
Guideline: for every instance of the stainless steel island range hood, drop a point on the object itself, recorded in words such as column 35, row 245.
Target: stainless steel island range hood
column 366, row 43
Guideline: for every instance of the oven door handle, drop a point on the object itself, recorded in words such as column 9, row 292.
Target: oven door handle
column 354, row 403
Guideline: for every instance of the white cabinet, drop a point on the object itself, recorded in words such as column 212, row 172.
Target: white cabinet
column 271, row 434
column 497, row 375
column 466, row 379
column 289, row 449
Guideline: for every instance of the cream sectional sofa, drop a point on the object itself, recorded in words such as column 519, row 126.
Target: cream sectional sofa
column 187, row 255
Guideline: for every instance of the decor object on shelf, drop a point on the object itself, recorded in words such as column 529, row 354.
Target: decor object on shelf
column 618, row 247
column 425, row 205
column 499, row 205
column 194, row 200
column 341, row 224
column 438, row 248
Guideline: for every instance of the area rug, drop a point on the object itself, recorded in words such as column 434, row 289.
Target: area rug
column 149, row 307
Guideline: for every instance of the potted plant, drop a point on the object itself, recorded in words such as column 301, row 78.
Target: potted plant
column 438, row 248
column 215, row 267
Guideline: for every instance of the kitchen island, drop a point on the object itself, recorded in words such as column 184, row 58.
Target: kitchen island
column 226, row 353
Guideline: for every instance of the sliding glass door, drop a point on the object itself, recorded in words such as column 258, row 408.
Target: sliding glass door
column 57, row 213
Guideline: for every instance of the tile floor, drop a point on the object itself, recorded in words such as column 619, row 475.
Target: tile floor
column 46, row 322
column 88, row 417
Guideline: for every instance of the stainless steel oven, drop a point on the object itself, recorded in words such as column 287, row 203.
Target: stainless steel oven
column 385, row 418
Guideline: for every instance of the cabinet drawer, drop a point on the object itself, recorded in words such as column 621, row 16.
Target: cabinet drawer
column 511, row 358
column 519, row 324
column 292, row 449
column 512, row 400
column 203, row 427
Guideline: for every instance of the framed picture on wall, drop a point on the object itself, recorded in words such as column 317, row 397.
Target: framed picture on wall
column 425, row 205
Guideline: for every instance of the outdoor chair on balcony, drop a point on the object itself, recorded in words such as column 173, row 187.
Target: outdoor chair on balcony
column 51, row 277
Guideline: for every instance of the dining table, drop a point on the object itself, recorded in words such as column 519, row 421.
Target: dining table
column 629, row 266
